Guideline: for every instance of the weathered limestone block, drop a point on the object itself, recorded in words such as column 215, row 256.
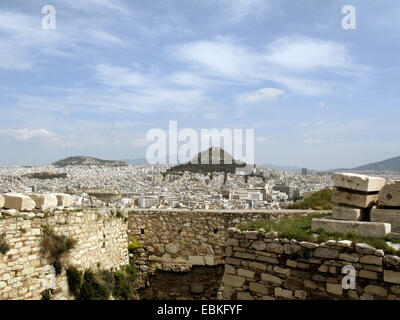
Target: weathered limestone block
column 44, row 201
column 18, row 202
column 370, row 259
column 375, row 290
column 391, row 276
column 172, row 248
column 334, row 288
column 1, row 201
column 387, row 216
column 363, row 229
column 234, row 281
column 358, row 182
column 326, row 253
column 258, row 288
column 279, row 292
column 64, row 200
column 354, row 199
column 270, row 278
column 196, row 260
column 390, row 194
column 347, row 213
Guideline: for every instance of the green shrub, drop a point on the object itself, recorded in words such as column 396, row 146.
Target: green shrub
column 133, row 244
column 56, row 246
column 320, row 200
column 89, row 285
column 4, row 246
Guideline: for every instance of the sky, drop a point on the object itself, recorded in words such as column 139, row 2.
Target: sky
column 317, row 95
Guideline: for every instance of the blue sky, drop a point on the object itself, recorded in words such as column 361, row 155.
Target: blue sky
column 316, row 95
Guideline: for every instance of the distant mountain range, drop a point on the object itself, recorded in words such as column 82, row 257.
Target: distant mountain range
column 83, row 160
column 392, row 164
column 281, row 168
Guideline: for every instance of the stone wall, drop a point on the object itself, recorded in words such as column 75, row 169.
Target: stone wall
column 175, row 240
column 263, row 267
column 101, row 244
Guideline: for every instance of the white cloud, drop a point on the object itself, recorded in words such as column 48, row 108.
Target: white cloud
column 26, row 134
column 290, row 62
column 313, row 141
column 266, row 140
column 100, row 35
column 118, row 76
column 309, row 54
column 238, row 10
column 266, row 94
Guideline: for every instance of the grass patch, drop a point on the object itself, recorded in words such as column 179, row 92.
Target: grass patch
column 4, row 246
column 320, row 200
column 57, row 246
column 133, row 245
column 89, row 285
column 299, row 228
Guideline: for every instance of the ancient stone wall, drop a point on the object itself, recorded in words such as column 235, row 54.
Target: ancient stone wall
column 176, row 240
column 101, row 244
column 263, row 267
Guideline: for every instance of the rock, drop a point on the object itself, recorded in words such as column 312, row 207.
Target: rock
column 392, row 260
column 368, row 274
column 10, row 212
column 275, row 247
column 279, row 292
column 18, row 202
column 358, row 182
column 234, row 281
column 375, row 290
column 166, row 257
column 347, row 213
column 394, row 246
column 271, row 235
column 354, row 199
column 229, row 269
column 391, row 276
column 44, row 201
column 270, row 278
column 344, row 243
column 259, row 245
column 244, row 296
column 196, row 288
column 390, row 194
column 300, row 294
column 364, row 248
column 361, row 228
column 196, row 260
column 326, row 253
column 334, row 288
column 258, row 288
column 245, row 273
column 252, row 235
column 291, row 248
column 1, row 201
column 370, row 259
column 366, row 296
column 391, row 216
column 309, row 245
column 64, row 200
column 350, row 257
column 172, row 248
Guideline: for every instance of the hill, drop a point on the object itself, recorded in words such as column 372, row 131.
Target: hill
column 392, row 164
column 87, row 161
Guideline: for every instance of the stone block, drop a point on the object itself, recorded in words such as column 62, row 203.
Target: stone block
column 326, row 253
column 350, row 257
column 368, row 274
column 375, row 290
column 259, row 245
column 370, row 259
column 1, row 201
column 44, row 201
column 196, row 288
column 172, row 248
column 358, row 182
column 245, row 273
column 391, row 276
column 270, row 278
column 390, row 194
column 275, row 247
column 18, row 202
column 258, row 288
column 196, row 260
column 387, row 216
column 347, row 213
column 64, row 200
column 334, row 288
column 244, row 296
column 279, row 292
column 234, row 281
column 361, row 228
column 354, row 199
